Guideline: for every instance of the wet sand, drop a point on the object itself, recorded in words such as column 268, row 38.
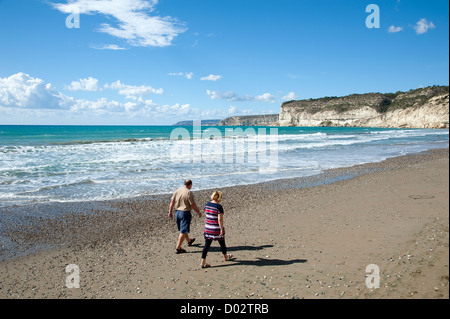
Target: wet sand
column 296, row 238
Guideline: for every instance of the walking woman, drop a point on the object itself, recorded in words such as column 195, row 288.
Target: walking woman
column 214, row 229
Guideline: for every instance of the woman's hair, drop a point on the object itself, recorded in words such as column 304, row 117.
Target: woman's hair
column 216, row 196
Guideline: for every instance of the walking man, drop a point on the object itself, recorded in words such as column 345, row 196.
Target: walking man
column 183, row 201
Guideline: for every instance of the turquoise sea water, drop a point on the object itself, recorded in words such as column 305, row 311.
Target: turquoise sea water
column 87, row 163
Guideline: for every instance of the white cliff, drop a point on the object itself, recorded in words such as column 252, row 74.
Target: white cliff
column 421, row 108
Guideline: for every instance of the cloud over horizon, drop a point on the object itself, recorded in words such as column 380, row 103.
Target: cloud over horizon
column 89, row 84
column 233, row 97
column 23, row 93
column 290, row 96
column 132, row 91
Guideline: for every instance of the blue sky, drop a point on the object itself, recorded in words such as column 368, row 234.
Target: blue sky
column 139, row 62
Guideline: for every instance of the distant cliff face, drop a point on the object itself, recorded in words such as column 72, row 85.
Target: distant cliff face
column 251, row 120
column 421, row 108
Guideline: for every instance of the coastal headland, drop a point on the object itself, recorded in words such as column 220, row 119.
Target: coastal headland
column 420, row 108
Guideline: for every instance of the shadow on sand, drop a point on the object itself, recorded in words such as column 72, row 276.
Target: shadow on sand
column 236, row 248
column 259, row 262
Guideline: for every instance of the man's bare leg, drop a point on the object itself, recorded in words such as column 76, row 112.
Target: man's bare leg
column 181, row 239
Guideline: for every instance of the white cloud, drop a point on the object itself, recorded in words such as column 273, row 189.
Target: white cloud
column 114, row 47
column 176, row 109
column 106, row 107
column 131, row 91
column 229, row 96
column 247, row 112
column 232, row 109
column 394, row 29
column 89, row 84
column 289, row 96
column 23, row 91
column 422, row 26
column 23, row 96
column 211, row 77
column 133, row 20
column 102, row 104
column 186, row 75
column 266, row 97
column 219, row 113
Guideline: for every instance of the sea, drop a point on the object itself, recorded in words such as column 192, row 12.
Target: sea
column 44, row 164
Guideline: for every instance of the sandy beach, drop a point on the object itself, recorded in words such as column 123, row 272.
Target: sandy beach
column 288, row 240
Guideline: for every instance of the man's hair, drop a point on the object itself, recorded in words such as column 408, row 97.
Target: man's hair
column 187, row 182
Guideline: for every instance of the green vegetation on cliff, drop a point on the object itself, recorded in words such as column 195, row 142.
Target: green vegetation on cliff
column 381, row 102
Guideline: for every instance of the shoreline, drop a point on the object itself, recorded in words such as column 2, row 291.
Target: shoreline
column 129, row 236
column 31, row 223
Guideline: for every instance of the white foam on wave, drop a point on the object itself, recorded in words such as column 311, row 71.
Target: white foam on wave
column 126, row 168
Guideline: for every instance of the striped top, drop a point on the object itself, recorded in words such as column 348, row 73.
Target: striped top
column 212, row 228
